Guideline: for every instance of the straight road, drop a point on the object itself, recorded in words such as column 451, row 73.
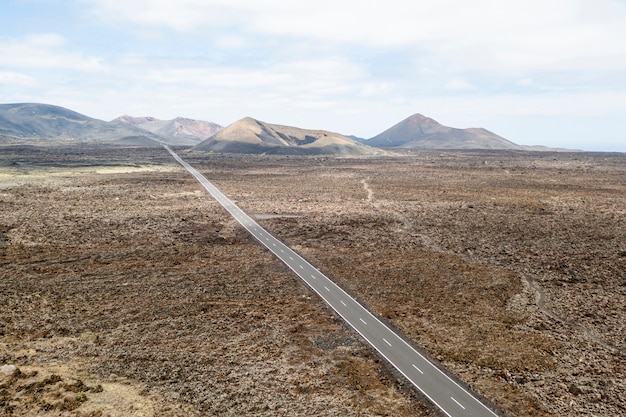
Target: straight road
column 451, row 398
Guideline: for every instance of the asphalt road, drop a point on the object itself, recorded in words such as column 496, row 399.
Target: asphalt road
column 451, row 398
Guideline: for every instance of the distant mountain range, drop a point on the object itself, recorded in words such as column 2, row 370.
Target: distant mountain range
column 44, row 123
column 35, row 123
column 180, row 128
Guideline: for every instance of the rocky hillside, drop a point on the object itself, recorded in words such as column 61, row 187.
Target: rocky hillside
column 37, row 123
column 253, row 136
column 180, row 128
column 421, row 132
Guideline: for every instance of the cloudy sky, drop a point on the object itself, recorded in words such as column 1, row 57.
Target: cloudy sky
column 549, row 72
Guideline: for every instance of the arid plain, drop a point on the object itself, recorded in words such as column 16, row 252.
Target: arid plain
column 125, row 290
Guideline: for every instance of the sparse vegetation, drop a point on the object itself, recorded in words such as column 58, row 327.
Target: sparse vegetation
column 508, row 268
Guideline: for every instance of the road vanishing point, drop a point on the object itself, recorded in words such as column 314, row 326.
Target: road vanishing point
column 446, row 394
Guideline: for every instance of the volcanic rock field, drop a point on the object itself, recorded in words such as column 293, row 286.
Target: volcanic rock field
column 125, row 290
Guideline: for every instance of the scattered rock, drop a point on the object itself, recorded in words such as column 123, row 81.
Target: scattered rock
column 8, row 370
column 580, row 389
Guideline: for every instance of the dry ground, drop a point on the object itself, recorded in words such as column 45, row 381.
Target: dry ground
column 124, row 290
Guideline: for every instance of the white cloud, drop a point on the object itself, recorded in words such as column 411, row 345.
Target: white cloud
column 228, row 41
column 297, row 79
column 373, row 89
column 44, row 51
column 459, row 84
column 16, row 79
column 526, row 82
column 181, row 15
column 44, row 40
column 288, row 92
column 483, row 34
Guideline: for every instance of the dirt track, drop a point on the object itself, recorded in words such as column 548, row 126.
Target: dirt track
column 118, row 272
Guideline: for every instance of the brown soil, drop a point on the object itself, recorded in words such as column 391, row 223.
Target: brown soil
column 121, row 280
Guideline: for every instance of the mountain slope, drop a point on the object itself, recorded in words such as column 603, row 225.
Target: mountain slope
column 34, row 122
column 421, row 132
column 253, row 136
column 179, row 128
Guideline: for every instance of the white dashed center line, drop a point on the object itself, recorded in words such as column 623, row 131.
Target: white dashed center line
column 301, row 267
column 313, row 276
column 362, row 321
column 385, row 340
column 458, row 403
column 342, row 303
column 418, row 369
column 325, row 287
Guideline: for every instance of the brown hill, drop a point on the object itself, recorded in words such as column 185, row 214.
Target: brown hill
column 182, row 129
column 249, row 135
column 421, row 132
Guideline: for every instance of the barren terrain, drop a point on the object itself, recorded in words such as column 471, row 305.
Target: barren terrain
column 125, row 290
